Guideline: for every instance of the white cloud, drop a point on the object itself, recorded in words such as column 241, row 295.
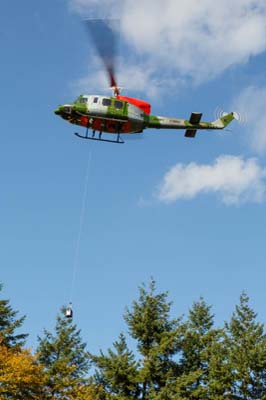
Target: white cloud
column 232, row 178
column 251, row 104
column 193, row 39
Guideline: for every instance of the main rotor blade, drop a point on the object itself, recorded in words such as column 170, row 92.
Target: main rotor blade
column 103, row 35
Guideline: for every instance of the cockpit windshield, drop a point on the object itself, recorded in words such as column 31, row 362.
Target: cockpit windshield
column 81, row 99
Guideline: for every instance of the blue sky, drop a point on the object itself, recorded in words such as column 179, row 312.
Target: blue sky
column 196, row 243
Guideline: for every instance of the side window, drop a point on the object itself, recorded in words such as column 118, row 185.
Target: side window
column 84, row 100
column 118, row 104
column 95, row 100
column 106, row 102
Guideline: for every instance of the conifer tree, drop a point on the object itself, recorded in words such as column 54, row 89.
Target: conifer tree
column 220, row 377
column 158, row 338
column 199, row 334
column 158, row 341
column 199, row 342
column 9, row 324
column 189, row 360
column 64, row 358
column 202, row 374
column 117, row 372
column 246, row 342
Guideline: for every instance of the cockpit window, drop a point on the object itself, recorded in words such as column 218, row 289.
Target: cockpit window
column 106, row 102
column 83, row 100
column 95, row 100
column 118, row 104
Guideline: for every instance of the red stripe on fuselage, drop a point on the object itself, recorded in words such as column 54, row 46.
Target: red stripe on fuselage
column 143, row 105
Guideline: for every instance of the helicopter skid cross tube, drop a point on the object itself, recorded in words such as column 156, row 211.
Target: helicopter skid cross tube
column 118, row 140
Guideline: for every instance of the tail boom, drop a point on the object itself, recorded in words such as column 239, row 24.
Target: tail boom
column 192, row 125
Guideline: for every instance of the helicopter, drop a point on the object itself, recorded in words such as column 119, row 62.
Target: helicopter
column 121, row 115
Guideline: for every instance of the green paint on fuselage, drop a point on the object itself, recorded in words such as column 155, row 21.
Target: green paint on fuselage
column 152, row 121
column 226, row 119
column 122, row 110
column 114, row 112
column 80, row 108
column 159, row 122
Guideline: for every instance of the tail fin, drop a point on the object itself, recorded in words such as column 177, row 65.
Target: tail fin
column 224, row 120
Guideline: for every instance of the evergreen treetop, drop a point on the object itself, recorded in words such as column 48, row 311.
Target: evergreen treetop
column 246, row 343
column 9, row 324
column 158, row 340
column 117, row 371
column 64, row 357
column 149, row 319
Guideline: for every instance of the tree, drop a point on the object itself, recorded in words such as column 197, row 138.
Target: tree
column 198, row 335
column 9, row 325
column 158, row 340
column 65, row 360
column 202, row 353
column 21, row 378
column 246, row 342
column 117, row 372
column 190, row 360
column 219, row 373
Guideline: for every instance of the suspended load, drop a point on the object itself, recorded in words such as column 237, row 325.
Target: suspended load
column 69, row 311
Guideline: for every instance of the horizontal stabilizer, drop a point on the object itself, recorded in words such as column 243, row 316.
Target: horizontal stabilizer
column 195, row 118
column 191, row 133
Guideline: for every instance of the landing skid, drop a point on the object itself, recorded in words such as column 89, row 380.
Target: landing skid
column 118, row 140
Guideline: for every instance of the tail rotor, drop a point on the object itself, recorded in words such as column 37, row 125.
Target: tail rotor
column 240, row 117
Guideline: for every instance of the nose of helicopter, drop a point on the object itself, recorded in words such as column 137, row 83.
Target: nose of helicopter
column 58, row 110
column 65, row 109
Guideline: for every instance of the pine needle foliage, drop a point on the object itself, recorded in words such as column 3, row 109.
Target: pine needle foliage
column 117, row 371
column 64, row 359
column 126, row 376
column 177, row 359
column 9, row 325
column 246, row 342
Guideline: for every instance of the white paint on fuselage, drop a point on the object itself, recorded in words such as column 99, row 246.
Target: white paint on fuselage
column 97, row 108
column 135, row 114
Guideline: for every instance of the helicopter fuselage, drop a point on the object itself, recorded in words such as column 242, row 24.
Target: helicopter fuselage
column 104, row 114
column 118, row 115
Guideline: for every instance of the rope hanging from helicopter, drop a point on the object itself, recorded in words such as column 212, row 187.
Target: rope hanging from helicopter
column 69, row 311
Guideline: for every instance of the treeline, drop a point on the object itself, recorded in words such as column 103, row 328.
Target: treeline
column 184, row 358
